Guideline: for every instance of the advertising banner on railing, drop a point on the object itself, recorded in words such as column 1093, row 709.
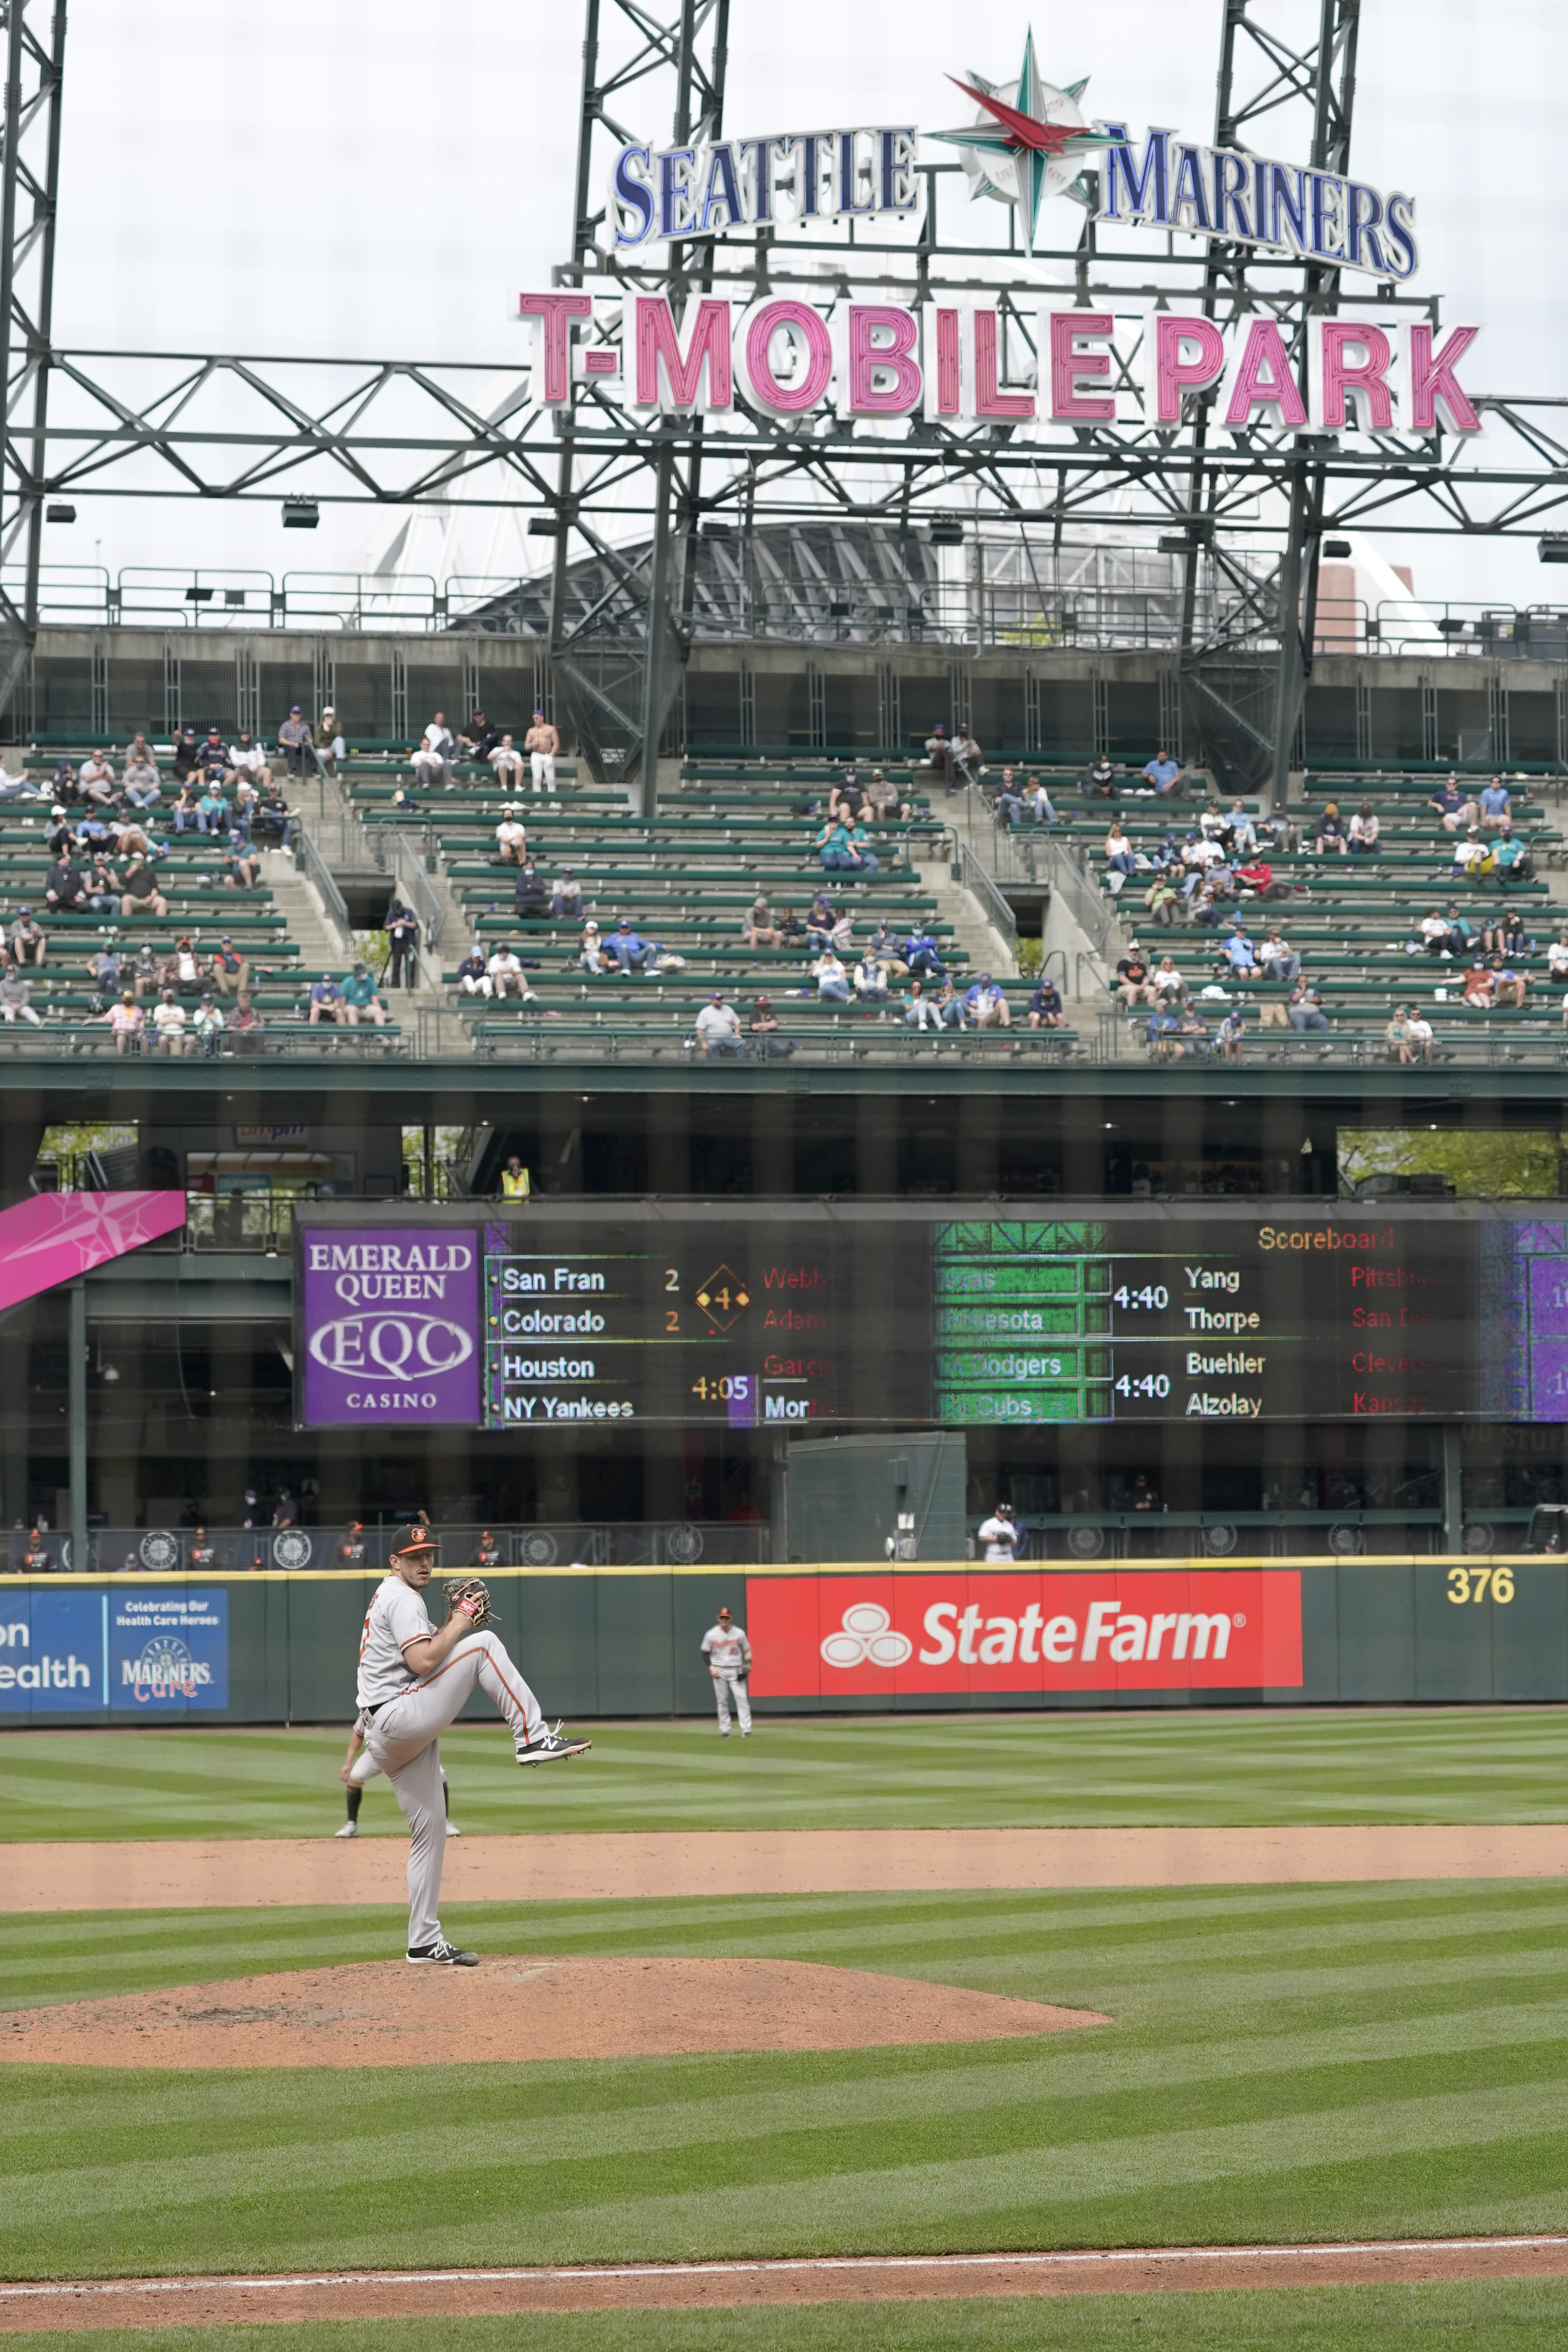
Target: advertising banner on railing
column 870, row 1634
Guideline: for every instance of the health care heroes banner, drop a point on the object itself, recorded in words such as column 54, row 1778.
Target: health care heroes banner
column 390, row 1328
column 864, row 1633
column 148, row 1651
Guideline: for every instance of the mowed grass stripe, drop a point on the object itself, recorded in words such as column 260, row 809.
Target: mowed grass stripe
column 1192, row 1768
column 1241, row 2097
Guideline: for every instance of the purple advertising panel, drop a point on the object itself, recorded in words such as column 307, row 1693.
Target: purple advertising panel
column 390, row 1327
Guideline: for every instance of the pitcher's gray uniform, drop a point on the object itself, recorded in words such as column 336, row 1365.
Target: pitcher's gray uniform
column 729, row 1656
column 401, row 1716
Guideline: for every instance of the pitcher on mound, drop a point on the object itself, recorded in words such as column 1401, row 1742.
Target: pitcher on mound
column 414, row 1682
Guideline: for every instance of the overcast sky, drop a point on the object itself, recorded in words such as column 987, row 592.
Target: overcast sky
column 379, row 177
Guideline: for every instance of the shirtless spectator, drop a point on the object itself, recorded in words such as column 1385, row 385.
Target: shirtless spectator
column 542, row 743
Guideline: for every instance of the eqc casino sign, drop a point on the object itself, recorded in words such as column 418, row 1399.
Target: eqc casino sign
column 786, row 358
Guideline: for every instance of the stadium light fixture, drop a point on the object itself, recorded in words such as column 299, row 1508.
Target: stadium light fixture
column 946, row 533
column 1336, row 549
column 300, row 514
column 543, row 527
column 56, row 511
column 1552, row 547
column 1173, row 542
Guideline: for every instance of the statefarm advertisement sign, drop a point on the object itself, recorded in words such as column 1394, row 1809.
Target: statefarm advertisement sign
column 868, row 1634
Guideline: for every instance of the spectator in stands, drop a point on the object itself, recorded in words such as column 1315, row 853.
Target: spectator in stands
column 1120, row 856
column 1510, row 857
column 207, row 1026
column 188, row 809
column 230, row 970
column 95, row 779
column 1239, row 953
column 507, row 977
column 833, row 846
column 1277, row 957
column 1508, row 934
column 361, row 1001
column 183, row 971
column 1419, row 1033
column 1164, row 773
column 845, row 793
column 1396, row 1036
column 146, row 973
column 65, row 886
column 246, row 761
column 1495, row 805
column 244, row 867
column 326, row 1002
column 141, row 782
column 245, row 1025
column 402, row 932
column 1479, row 986
column 987, row 1004
column 128, row 1022
column 758, row 929
column 590, row 950
column 629, row 947
column 542, row 743
column 275, row 821
column 138, row 891
column 967, row 757
column 1162, row 899
column 530, row 899
column 719, row 1029
column 1304, row 1009
column 1433, row 930
column 1331, row 832
column 1190, row 1035
column 1009, row 799
column 1508, row 987
column 1472, row 857
column 187, row 754
column 212, row 808
column 863, row 859
column 1257, row 875
column 16, row 994
column 871, row 979
column 1045, row 1005
column 886, row 803
column 1133, row 984
column 820, row 922
column 1100, row 778
column 294, row 738
column 329, row 745
column 507, row 761
column 1167, row 982
column 939, row 752
column 169, row 1024
column 473, row 979
column 566, row 895
column 922, row 955
column 28, row 945
column 1460, row 933
column 103, row 970
column 511, row 839
column 1364, row 831
column 102, row 889
column 792, row 932
column 479, row 737
column 59, row 834
column 1228, row 1037
column 1281, row 828
column 832, row 980
column 1456, row 811
column 952, row 1010
column 763, row 1033
column 1240, row 834
column 885, row 948
column 920, row 1011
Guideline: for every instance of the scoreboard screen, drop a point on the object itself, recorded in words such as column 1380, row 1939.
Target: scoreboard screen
column 830, row 1314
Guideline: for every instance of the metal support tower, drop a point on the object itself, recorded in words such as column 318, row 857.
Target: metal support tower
column 620, row 692
column 30, row 183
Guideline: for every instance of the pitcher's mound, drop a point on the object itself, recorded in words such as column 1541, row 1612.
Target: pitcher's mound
column 389, row 2014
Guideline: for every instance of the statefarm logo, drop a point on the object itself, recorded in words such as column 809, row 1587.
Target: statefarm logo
column 1002, row 1629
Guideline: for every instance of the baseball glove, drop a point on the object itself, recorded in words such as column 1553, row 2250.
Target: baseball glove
column 475, row 1593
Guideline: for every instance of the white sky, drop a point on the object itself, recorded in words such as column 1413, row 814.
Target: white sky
column 379, row 177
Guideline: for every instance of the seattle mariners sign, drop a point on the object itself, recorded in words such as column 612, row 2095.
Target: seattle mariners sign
column 390, row 1328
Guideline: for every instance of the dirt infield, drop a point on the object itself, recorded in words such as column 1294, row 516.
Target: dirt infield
column 188, row 1874
column 517, row 2008
column 442, row 2295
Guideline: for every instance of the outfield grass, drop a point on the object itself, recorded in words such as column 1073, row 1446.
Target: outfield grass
column 1511, row 2316
column 1285, row 2064
column 1470, row 1764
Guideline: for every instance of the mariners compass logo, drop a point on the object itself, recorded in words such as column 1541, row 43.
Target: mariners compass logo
column 1024, row 143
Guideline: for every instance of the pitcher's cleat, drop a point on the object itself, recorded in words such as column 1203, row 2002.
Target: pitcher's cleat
column 453, row 1830
column 550, row 1745
column 440, row 1954
column 349, row 1829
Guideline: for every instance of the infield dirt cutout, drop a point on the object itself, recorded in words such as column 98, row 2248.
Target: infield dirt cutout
column 384, row 2013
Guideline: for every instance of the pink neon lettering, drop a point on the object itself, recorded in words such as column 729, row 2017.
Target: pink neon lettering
column 1175, row 374
column 1263, row 379
column 788, row 399
column 868, row 356
column 659, row 346
column 555, row 313
column 949, row 372
column 989, row 399
column 1432, row 379
column 1069, row 365
column 1341, row 376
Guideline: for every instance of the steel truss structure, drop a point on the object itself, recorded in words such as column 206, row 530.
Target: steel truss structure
column 628, row 501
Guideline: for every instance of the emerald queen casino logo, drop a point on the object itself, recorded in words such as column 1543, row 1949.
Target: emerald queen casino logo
column 390, row 1327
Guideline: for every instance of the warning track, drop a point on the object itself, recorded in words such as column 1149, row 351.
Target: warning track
column 871, row 2278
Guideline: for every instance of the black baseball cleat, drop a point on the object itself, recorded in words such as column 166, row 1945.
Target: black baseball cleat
column 550, row 1745
column 440, row 1954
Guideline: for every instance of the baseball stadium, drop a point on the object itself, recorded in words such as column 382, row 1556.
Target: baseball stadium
column 784, row 1195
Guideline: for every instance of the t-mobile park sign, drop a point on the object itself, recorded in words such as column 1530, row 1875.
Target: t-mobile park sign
column 390, row 1328
column 786, row 358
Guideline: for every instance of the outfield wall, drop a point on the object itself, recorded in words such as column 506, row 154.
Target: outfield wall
column 276, row 1647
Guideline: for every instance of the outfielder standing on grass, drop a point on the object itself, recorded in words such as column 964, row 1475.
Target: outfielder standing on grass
column 414, row 1682
column 729, row 1656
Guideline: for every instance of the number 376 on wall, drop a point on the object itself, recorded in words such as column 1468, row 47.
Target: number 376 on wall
column 1470, row 1584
